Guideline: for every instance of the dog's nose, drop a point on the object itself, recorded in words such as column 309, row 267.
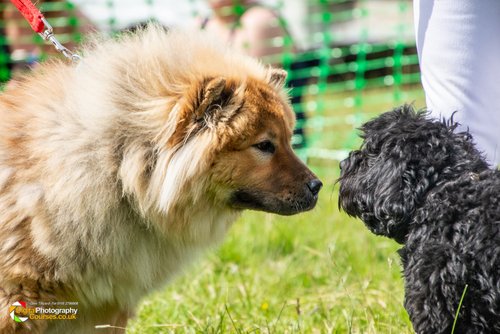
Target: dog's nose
column 314, row 186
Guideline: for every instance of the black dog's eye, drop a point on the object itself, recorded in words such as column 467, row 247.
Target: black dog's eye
column 265, row 146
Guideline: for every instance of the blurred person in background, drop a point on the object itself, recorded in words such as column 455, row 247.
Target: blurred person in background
column 260, row 32
column 249, row 27
column 458, row 46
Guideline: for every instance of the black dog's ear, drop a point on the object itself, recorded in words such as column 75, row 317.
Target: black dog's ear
column 387, row 202
column 218, row 100
column 371, row 190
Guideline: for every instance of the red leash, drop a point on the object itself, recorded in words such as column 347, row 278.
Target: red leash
column 31, row 14
column 40, row 25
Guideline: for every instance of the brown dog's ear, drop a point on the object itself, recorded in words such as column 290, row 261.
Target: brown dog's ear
column 211, row 93
column 219, row 100
column 277, row 77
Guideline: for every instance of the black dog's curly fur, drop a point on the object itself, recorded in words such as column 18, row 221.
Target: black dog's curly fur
column 421, row 183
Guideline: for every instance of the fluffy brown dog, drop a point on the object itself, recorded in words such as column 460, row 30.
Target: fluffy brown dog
column 115, row 172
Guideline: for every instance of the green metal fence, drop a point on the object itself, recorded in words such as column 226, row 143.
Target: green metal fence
column 347, row 60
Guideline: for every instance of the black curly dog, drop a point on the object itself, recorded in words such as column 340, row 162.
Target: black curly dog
column 419, row 182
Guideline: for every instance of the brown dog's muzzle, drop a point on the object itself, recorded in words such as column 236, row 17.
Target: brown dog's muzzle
column 293, row 188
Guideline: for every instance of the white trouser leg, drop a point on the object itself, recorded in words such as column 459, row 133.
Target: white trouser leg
column 458, row 43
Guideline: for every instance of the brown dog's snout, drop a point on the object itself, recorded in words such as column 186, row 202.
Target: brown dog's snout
column 315, row 186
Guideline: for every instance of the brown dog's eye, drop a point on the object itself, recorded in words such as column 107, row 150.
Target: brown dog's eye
column 265, row 146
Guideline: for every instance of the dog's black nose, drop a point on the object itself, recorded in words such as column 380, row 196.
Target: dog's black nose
column 315, row 186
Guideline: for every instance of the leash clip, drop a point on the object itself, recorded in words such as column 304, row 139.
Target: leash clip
column 48, row 35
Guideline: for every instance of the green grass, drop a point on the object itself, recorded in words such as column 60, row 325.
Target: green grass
column 318, row 272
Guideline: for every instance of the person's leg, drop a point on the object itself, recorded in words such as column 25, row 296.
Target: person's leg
column 458, row 44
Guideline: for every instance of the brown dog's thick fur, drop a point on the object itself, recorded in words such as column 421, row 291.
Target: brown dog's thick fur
column 116, row 171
